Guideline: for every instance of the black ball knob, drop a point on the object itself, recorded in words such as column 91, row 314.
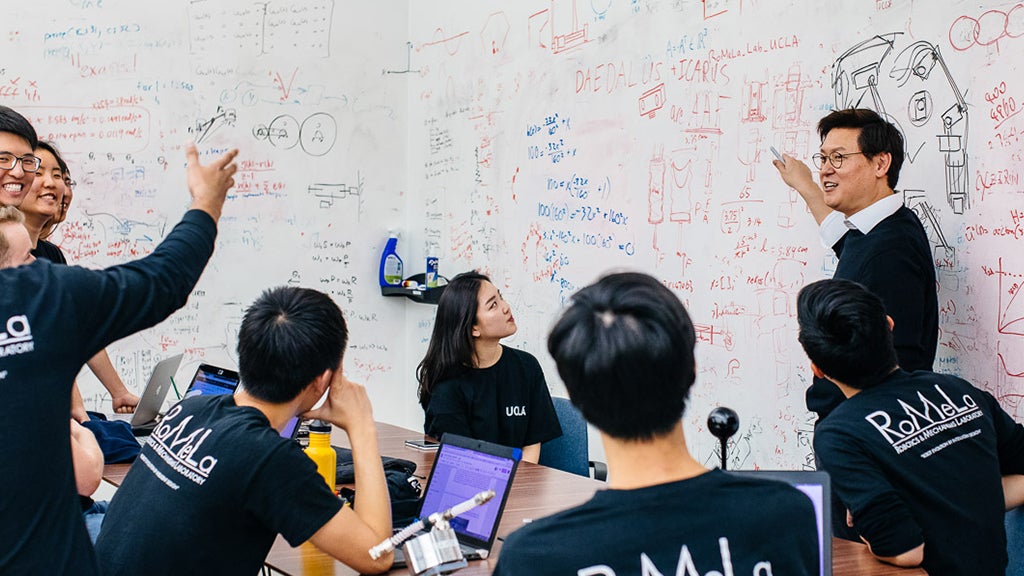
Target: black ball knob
column 723, row 422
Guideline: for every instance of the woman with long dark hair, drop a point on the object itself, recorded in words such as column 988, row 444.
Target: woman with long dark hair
column 471, row 385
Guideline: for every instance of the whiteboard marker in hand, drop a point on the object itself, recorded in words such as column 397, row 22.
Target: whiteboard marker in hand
column 776, row 154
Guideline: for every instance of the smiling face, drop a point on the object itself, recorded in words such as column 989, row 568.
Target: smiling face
column 14, row 183
column 494, row 319
column 44, row 198
column 860, row 181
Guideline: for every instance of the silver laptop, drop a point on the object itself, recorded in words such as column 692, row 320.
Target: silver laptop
column 144, row 419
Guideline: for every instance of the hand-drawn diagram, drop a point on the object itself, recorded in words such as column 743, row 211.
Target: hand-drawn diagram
column 329, row 193
column 987, row 29
column 868, row 75
column 494, row 33
column 316, row 134
column 408, row 63
column 559, row 26
column 204, row 128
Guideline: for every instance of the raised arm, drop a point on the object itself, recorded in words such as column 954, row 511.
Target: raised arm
column 124, row 299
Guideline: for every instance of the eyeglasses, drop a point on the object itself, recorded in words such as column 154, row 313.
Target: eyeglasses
column 70, row 183
column 29, row 163
column 835, row 159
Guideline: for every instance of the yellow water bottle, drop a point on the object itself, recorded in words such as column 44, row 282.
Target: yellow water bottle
column 321, row 452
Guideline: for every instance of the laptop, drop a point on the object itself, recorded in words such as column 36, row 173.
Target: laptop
column 462, row 468
column 817, row 487
column 144, row 419
column 211, row 380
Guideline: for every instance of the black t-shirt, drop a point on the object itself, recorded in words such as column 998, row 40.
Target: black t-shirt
column 507, row 403
column 894, row 261
column 49, row 251
column 209, row 493
column 919, row 458
column 56, row 318
column 713, row 522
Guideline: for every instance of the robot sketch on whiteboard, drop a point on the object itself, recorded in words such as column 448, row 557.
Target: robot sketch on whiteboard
column 558, row 28
column 204, row 128
column 914, row 90
column 316, row 135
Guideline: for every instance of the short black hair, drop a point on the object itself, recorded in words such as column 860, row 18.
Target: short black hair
column 876, row 136
column 624, row 349
column 11, row 121
column 288, row 337
column 845, row 332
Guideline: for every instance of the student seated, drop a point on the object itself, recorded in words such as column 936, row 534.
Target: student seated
column 915, row 458
column 471, row 385
column 216, row 483
column 624, row 349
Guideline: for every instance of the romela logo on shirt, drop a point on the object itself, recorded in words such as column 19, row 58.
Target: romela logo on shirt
column 914, row 422
column 18, row 337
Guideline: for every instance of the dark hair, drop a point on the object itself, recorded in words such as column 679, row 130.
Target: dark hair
column 624, row 349
column 288, row 337
column 451, row 349
column 845, row 332
column 51, row 224
column 11, row 121
column 876, row 136
column 52, row 149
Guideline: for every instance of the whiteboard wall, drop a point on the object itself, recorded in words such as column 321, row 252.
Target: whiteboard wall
column 545, row 142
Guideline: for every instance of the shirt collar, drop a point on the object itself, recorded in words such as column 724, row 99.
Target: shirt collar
column 869, row 217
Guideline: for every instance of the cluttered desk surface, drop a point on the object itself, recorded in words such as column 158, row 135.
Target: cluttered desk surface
column 536, row 492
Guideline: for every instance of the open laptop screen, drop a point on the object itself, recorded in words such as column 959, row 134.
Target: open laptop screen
column 817, row 487
column 459, row 473
column 211, row 380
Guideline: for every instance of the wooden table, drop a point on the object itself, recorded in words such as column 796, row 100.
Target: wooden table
column 536, row 492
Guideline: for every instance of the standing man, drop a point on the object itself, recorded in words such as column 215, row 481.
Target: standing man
column 917, row 458
column 880, row 243
column 54, row 318
column 624, row 349
column 216, row 483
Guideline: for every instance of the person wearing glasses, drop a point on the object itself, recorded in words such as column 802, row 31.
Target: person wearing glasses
column 880, row 243
column 17, row 163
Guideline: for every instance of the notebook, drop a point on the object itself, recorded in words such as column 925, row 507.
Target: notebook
column 462, row 468
column 144, row 419
column 816, row 485
column 212, row 380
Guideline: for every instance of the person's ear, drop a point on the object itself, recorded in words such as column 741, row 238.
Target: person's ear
column 891, row 323
column 882, row 162
column 817, row 371
column 320, row 383
column 475, row 333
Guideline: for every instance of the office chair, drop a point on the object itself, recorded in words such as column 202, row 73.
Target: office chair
column 570, row 452
column 1015, row 541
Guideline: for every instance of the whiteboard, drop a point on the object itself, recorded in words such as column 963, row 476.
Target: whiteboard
column 547, row 143
column 556, row 141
